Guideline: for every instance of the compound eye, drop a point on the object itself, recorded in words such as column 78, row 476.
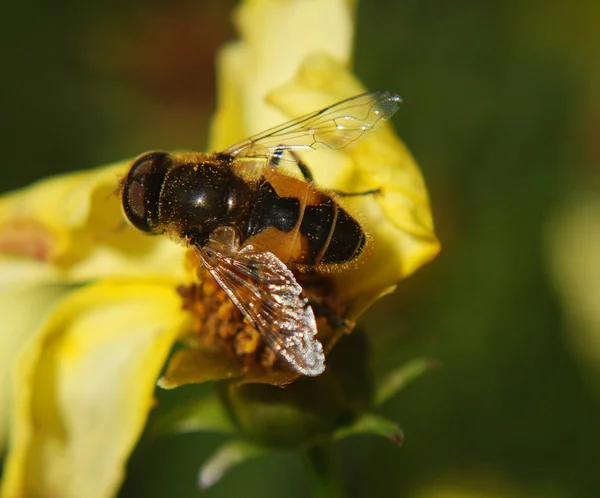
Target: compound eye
column 141, row 190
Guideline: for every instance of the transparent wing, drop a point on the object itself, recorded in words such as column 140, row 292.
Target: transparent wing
column 336, row 127
column 266, row 292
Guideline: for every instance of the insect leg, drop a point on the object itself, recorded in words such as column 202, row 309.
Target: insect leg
column 276, row 156
column 304, row 169
column 374, row 191
column 334, row 320
column 307, row 174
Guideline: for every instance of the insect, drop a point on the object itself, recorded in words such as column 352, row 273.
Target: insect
column 251, row 224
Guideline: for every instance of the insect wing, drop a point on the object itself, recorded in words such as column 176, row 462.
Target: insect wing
column 266, row 292
column 336, row 127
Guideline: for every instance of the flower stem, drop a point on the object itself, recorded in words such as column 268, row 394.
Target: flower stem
column 326, row 471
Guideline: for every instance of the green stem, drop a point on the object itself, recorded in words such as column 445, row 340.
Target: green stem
column 326, row 471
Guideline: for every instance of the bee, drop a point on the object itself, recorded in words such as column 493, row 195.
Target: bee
column 252, row 224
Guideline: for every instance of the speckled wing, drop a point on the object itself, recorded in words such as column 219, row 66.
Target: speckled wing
column 266, row 292
column 336, row 127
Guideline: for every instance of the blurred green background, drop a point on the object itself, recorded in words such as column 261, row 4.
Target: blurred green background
column 503, row 115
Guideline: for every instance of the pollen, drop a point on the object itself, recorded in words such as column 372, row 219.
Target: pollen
column 219, row 326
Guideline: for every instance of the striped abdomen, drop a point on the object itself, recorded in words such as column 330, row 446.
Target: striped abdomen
column 301, row 224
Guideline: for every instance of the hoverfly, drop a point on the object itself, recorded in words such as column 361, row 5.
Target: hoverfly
column 251, row 224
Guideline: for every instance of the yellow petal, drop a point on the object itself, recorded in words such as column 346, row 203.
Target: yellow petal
column 191, row 366
column 74, row 222
column 28, row 289
column 572, row 256
column 277, row 35
column 280, row 70
column 399, row 220
column 59, row 205
column 84, row 389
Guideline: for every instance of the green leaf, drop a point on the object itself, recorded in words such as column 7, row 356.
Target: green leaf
column 324, row 465
column 370, row 423
column 202, row 415
column 399, row 378
column 227, row 456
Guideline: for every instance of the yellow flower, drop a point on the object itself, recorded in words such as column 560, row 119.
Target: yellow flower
column 89, row 305
column 281, row 69
column 89, row 317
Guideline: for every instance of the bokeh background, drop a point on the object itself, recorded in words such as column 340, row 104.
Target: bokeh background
column 503, row 114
